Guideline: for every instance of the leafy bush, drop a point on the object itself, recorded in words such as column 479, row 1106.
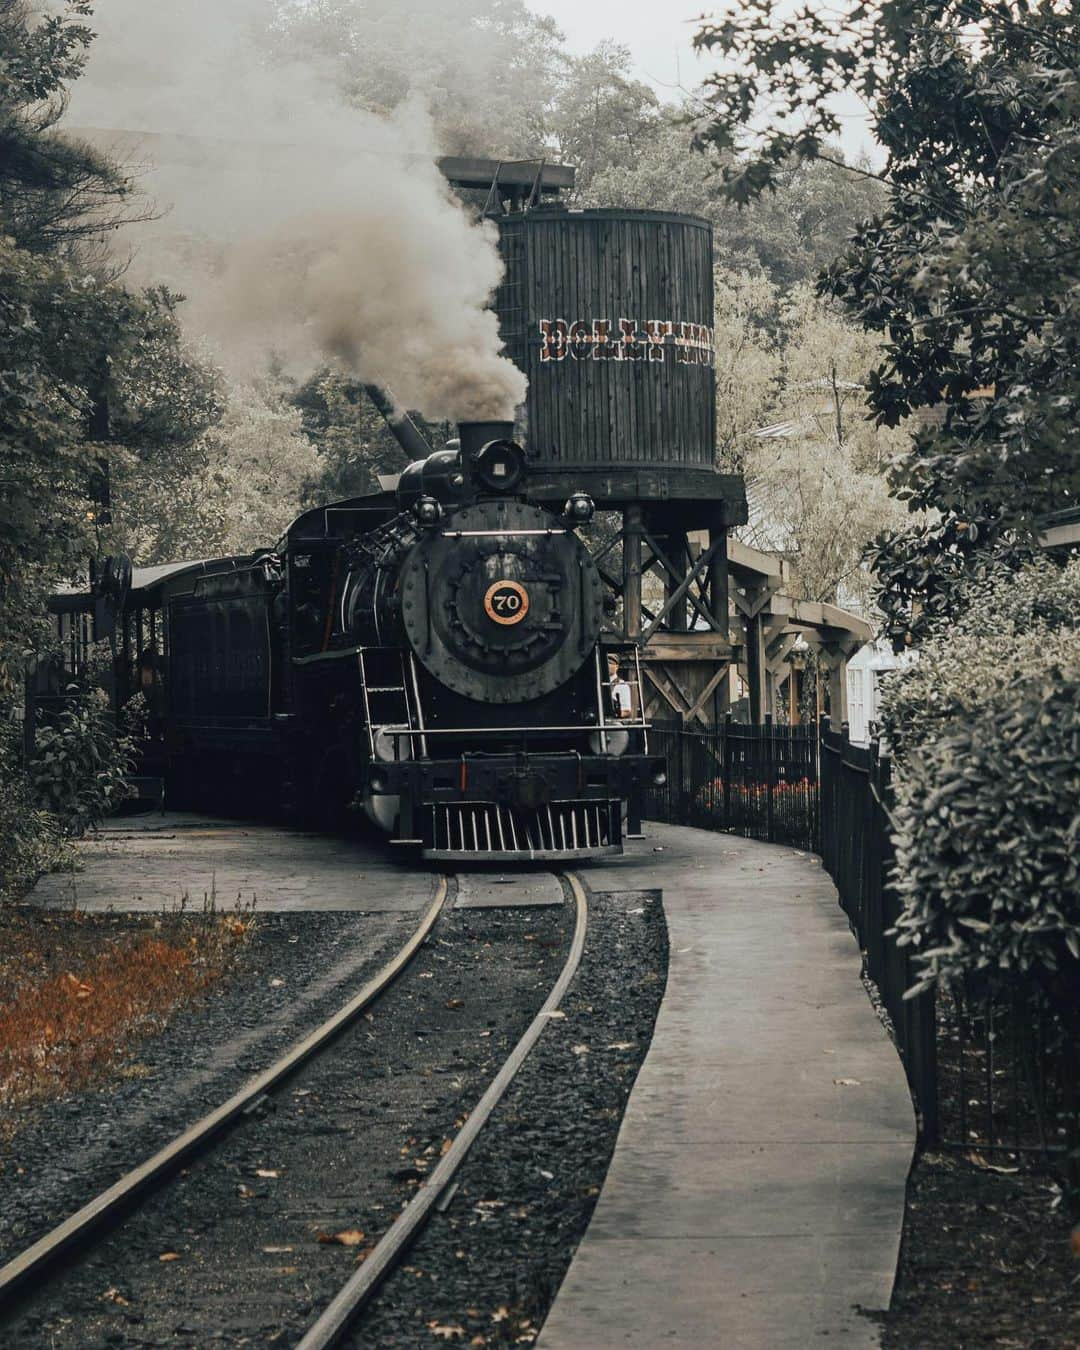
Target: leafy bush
column 31, row 840
column 1014, row 625
column 986, row 729
column 80, row 766
column 987, row 859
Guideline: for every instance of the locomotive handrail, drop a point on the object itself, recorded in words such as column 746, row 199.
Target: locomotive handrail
column 495, row 534
column 621, row 725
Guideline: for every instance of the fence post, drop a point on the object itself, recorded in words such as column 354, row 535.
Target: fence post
column 725, row 768
column 769, row 777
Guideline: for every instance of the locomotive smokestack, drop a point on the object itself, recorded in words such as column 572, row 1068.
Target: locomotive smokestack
column 475, row 435
column 491, row 461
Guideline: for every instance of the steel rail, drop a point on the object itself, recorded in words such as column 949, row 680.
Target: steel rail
column 326, row 1330
column 163, row 1163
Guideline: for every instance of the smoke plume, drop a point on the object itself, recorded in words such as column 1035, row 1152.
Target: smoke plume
column 296, row 225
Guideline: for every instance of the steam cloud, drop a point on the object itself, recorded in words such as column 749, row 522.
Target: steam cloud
column 294, row 223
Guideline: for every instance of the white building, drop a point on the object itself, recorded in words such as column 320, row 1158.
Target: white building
column 864, row 673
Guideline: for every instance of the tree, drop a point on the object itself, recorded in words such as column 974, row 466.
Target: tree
column 815, row 472
column 970, row 272
column 265, row 467
column 485, row 68
column 55, row 193
column 352, row 441
column 73, row 343
column 790, row 233
column 601, row 119
column 164, row 397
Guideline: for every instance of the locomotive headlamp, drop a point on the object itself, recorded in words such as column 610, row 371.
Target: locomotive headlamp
column 499, row 466
column 659, row 778
column 579, row 508
column 427, row 511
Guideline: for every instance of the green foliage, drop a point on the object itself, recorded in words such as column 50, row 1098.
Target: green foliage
column 485, row 68
column 986, row 842
column 601, row 119
column 49, row 318
column 972, row 270
column 80, row 764
column 791, row 415
column 31, row 840
column 789, row 233
column 1018, row 623
column 263, row 466
column 986, row 730
column 352, row 441
column 55, row 194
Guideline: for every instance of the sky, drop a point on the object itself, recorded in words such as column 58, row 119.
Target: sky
column 660, row 36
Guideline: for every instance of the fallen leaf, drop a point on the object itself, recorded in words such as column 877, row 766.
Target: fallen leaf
column 550, row 1175
column 847, row 1082
column 244, row 1192
column 557, row 1013
column 348, row 1237
column 266, row 1172
column 447, row 1145
column 169, row 1256
column 455, row 1003
column 275, row 983
column 276, row 1251
column 980, row 1161
column 426, row 975
column 114, row 1296
column 448, row 1332
column 287, row 1270
column 501, row 1313
column 580, row 1049
column 623, row 1045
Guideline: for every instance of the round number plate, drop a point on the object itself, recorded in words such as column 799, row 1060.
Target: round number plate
column 506, row 602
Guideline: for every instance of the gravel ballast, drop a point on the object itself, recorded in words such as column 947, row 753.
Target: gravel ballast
column 247, row 1243
column 295, row 971
column 250, row 1241
column 486, row 1270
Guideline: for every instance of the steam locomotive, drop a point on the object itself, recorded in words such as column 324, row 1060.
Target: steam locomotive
column 432, row 654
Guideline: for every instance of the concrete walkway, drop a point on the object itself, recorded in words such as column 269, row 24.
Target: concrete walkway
column 756, row 1194
column 155, row 862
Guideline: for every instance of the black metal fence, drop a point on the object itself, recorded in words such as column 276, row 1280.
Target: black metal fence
column 856, row 850
column 987, row 1076
column 757, row 781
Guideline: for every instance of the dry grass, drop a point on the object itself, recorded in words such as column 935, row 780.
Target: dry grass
column 79, row 992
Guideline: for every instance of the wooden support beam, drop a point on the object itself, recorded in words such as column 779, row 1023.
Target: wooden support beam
column 755, row 668
column 632, row 532
column 755, row 598
column 719, row 590
column 680, row 591
column 836, row 666
column 679, row 578
column 710, row 688
column 669, row 692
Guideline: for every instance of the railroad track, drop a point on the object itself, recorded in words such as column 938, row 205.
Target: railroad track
column 77, row 1233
